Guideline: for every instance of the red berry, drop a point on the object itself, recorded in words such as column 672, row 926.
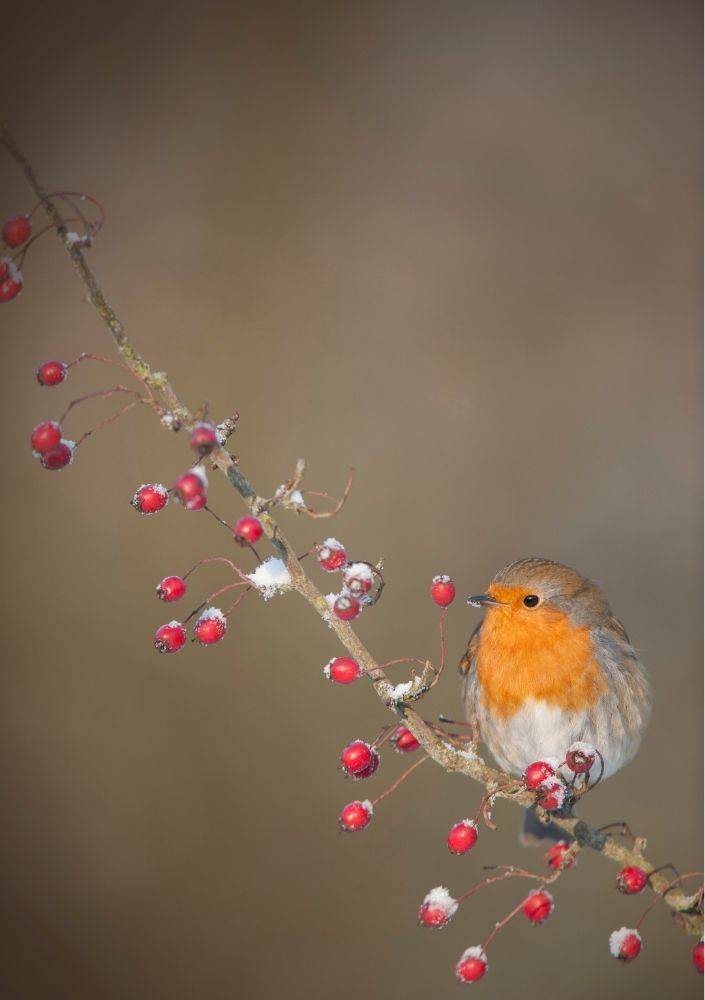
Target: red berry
column 12, row 282
column 438, row 908
column 4, row 267
column 462, row 836
column 355, row 816
column 45, row 436
column 191, row 486
column 203, row 438
column 555, row 856
column 346, row 607
column 472, row 965
column 631, row 880
column 358, row 578
column 196, row 503
column 51, row 372
column 359, row 759
column 404, row 740
column 172, row 588
column 17, row 231
column 442, row 591
column 210, row 627
column 150, row 498
column 625, row 944
column 698, row 956
column 580, row 757
column 248, row 530
column 539, row 771
column 331, row 555
column 342, row 670
column 170, row 638
column 538, row 906
column 59, row 456
column 551, row 794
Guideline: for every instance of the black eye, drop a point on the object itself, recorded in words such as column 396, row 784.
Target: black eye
column 531, row 600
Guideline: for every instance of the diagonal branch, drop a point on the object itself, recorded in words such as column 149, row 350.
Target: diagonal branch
column 452, row 759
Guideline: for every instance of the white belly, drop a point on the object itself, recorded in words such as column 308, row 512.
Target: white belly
column 541, row 730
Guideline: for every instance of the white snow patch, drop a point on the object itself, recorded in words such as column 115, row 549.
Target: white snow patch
column 359, row 570
column 475, row 951
column 617, row 939
column 271, row 577
column 198, row 470
column 439, row 898
column 213, row 613
column 297, row 497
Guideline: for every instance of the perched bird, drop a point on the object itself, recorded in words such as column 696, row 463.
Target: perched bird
column 550, row 665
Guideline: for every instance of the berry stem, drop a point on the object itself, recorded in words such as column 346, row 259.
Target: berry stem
column 508, row 871
column 222, row 559
column 85, row 356
column 402, row 778
column 662, row 894
column 109, row 420
column 337, row 501
column 101, row 394
column 500, row 924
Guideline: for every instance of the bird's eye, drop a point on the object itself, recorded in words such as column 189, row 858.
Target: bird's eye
column 531, row 600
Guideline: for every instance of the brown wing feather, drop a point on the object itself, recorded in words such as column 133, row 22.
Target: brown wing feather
column 470, row 653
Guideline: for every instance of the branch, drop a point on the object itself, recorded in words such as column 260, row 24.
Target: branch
column 452, row 758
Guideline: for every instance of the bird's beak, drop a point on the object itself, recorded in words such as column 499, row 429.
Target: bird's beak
column 483, row 601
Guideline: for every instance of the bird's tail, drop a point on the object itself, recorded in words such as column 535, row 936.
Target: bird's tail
column 533, row 832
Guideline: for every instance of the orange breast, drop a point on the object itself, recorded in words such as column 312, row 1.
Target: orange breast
column 545, row 657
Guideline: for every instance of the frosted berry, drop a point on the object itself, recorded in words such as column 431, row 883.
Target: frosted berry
column 358, row 578
column 172, row 588
column 342, row 670
column 203, row 438
column 196, row 503
column 150, row 498
column 625, row 944
column 210, row 627
column 359, row 759
column 248, row 530
column 539, row 771
column 472, row 965
column 538, row 906
column 170, row 638
column 557, row 855
column 404, row 741
column 17, row 231
column 631, row 880
column 462, row 836
column 331, row 555
column 11, row 285
column 355, row 816
column 59, row 456
column 551, row 794
column 191, row 486
column 579, row 757
column 442, row 591
column 698, row 956
column 346, row 607
column 438, row 908
column 45, row 436
column 51, row 373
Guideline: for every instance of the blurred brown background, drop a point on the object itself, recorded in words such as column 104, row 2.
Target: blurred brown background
column 454, row 244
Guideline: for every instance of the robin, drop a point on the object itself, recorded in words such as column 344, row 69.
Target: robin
column 550, row 665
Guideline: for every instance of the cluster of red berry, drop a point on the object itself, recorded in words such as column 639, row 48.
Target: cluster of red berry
column 15, row 232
